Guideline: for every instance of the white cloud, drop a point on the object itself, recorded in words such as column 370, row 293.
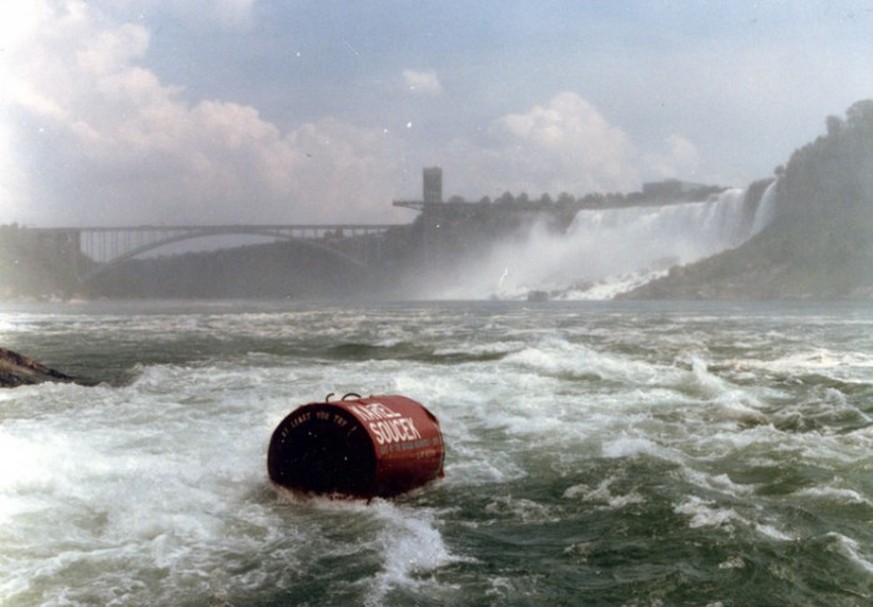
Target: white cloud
column 99, row 139
column 573, row 144
column 680, row 160
column 90, row 134
column 113, row 50
column 565, row 145
column 422, row 82
column 18, row 20
column 570, row 134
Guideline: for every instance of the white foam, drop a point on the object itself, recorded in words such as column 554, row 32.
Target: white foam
column 718, row 482
column 522, row 509
column 141, row 481
column 703, row 513
column 851, row 550
column 771, row 532
column 410, row 546
column 850, row 367
column 476, row 465
column 834, row 494
column 733, row 562
column 476, row 350
column 592, row 259
column 625, row 445
column 157, row 490
column 602, row 494
column 556, row 356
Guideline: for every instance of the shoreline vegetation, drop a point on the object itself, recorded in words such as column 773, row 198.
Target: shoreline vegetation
column 819, row 244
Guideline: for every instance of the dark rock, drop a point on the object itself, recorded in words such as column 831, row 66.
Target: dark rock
column 19, row 370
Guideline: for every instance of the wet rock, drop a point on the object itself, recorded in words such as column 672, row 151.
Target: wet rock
column 19, row 370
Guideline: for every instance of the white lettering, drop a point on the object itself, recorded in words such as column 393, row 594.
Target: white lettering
column 394, row 431
column 304, row 417
column 373, row 412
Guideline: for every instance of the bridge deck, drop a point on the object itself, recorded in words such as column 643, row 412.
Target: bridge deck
column 106, row 244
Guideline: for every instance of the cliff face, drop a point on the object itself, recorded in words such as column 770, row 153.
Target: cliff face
column 820, row 241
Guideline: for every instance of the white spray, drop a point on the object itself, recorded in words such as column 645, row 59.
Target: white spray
column 766, row 208
column 607, row 251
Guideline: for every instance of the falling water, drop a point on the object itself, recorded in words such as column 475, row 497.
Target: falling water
column 608, row 251
column 766, row 208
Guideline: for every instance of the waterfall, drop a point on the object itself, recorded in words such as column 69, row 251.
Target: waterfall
column 766, row 208
column 684, row 230
column 607, row 251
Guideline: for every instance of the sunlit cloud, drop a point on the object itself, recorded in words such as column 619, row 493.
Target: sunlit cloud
column 99, row 121
column 124, row 146
column 565, row 145
column 17, row 22
column 571, row 137
column 99, row 138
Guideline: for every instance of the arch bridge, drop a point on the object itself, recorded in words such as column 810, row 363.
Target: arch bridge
column 109, row 247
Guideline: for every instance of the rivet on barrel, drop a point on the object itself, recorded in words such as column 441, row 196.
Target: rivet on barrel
column 359, row 447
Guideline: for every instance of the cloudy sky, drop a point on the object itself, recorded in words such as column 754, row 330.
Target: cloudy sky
column 122, row 112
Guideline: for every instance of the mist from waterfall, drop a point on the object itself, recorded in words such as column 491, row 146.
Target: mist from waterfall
column 605, row 252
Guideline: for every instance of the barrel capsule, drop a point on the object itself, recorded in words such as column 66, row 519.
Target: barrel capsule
column 379, row 446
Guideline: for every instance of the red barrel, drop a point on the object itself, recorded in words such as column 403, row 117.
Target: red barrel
column 359, row 447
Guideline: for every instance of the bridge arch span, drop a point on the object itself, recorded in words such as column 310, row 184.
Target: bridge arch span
column 179, row 235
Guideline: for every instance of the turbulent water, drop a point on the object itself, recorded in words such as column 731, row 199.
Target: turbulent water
column 597, row 454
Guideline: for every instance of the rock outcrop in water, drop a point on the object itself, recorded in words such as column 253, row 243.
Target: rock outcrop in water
column 18, row 370
column 819, row 244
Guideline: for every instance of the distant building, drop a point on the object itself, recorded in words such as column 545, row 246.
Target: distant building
column 432, row 190
column 433, row 184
